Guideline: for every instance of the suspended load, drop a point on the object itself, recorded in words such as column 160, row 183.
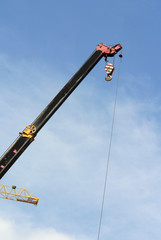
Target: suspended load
column 109, row 69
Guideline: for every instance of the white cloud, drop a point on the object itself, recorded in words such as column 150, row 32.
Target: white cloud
column 16, row 231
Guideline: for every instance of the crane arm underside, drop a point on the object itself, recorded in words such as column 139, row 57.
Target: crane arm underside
column 13, row 153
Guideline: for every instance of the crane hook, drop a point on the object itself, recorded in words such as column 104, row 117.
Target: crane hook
column 109, row 69
column 109, row 78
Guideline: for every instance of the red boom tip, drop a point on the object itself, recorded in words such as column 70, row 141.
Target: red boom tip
column 109, row 51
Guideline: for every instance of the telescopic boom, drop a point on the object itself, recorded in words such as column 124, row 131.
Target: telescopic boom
column 27, row 136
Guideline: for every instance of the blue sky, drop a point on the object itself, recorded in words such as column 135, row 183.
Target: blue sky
column 42, row 44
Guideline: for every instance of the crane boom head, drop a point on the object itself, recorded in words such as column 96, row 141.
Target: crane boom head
column 109, row 51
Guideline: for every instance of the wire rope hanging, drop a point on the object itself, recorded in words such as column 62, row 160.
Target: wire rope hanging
column 109, row 152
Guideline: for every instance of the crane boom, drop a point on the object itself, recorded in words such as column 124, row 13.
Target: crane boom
column 27, row 136
column 17, row 194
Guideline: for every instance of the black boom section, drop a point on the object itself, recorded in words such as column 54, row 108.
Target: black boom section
column 13, row 153
column 67, row 90
column 21, row 143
